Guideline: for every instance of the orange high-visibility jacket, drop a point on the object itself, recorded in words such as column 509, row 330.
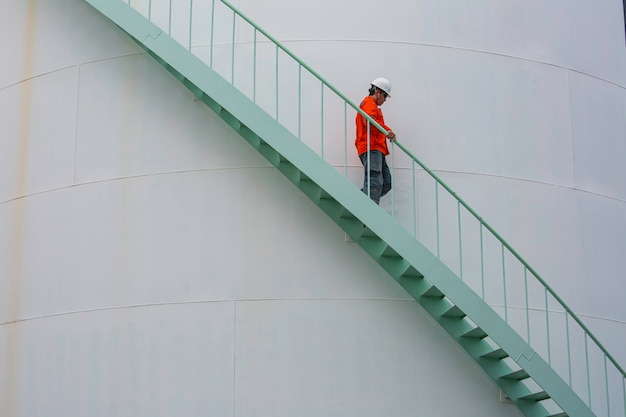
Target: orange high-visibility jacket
column 378, row 141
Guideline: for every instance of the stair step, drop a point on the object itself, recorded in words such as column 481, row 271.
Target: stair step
column 538, row 396
column 311, row 189
column 396, row 266
column 331, row 207
column 495, row 354
column 372, row 244
column 475, row 333
column 270, row 154
column 412, row 273
column 231, row 120
column 433, row 292
column 290, row 171
column 252, row 138
column 517, row 375
column 415, row 287
column 213, row 105
column 347, row 214
column 454, row 312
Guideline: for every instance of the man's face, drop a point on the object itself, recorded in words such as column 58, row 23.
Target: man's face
column 380, row 97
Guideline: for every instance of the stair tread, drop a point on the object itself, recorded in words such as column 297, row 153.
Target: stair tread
column 496, row 354
column 455, row 312
column 517, row 375
column 538, row 396
column 476, row 333
column 433, row 292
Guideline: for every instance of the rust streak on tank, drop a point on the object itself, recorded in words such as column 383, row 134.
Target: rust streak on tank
column 8, row 398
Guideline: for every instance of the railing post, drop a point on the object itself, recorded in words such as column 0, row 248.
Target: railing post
column 212, row 32
column 393, row 176
column 437, row 218
column 232, row 62
column 322, row 121
column 458, row 209
column 548, row 328
column 414, row 201
column 190, row 22
column 527, row 309
column 506, row 308
column 254, row 66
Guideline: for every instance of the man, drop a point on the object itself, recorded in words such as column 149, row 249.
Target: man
column 374, row 160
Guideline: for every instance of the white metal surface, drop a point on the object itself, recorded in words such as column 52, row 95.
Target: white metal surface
column 152, row 263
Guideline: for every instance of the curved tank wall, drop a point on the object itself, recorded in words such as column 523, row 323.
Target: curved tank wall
column 152, row 263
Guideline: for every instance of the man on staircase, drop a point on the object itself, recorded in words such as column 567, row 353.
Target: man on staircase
column 371, row 144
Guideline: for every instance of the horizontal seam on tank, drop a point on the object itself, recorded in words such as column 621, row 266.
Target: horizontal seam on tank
column 478, row 51
column 81, row 184
column 175, row 303
column 43, row 74
column 271, row 166
column 551, row 184
column 589, row 316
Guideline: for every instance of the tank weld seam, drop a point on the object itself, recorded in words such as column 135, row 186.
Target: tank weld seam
column 174, row 303
column 459, row 48
column 86, row 183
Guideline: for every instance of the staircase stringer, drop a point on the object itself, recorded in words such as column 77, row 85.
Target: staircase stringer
column 420, row 272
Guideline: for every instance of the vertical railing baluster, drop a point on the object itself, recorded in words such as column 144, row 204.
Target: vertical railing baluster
column 300, row 102
column 322, row 121
column 212, row 32
column 482, row 263
column 150, row 10
column 458, row 209
column 506, row 308
column 437, row 216
column 369, row 173
column 190, row 22
column 606, row 386
column 624, row 392
column 169, row 27
column 569, row 353
column 588, row 374
column 415, row 197
column 548, row 327
column 277, row 82
column 254, row 66
column 345, row 139
column 232, row 56
column 527, row 309
column 393, row 173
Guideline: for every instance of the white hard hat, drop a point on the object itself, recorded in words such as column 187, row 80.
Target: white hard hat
column 383, row 84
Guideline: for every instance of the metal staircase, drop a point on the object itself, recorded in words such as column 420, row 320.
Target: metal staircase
column 530, row 374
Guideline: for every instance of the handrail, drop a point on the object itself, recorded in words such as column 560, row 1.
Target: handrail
column 304, row 65
column 514, row 253
column 438, row 182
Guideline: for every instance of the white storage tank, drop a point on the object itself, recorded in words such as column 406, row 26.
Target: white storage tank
column 152, row 263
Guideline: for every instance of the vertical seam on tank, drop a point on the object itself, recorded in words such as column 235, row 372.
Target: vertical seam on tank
column 76, row 125
column 571, row 128
column 234, row 355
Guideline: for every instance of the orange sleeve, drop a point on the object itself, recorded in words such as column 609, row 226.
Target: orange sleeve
column 370, row 107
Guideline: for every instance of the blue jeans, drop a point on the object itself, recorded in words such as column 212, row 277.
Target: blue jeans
column 380, row 176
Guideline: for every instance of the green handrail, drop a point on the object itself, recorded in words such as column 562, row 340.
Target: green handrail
column 514, row 253
column 303, row 64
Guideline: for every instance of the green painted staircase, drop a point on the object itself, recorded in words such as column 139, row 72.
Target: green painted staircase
column 522, row 374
